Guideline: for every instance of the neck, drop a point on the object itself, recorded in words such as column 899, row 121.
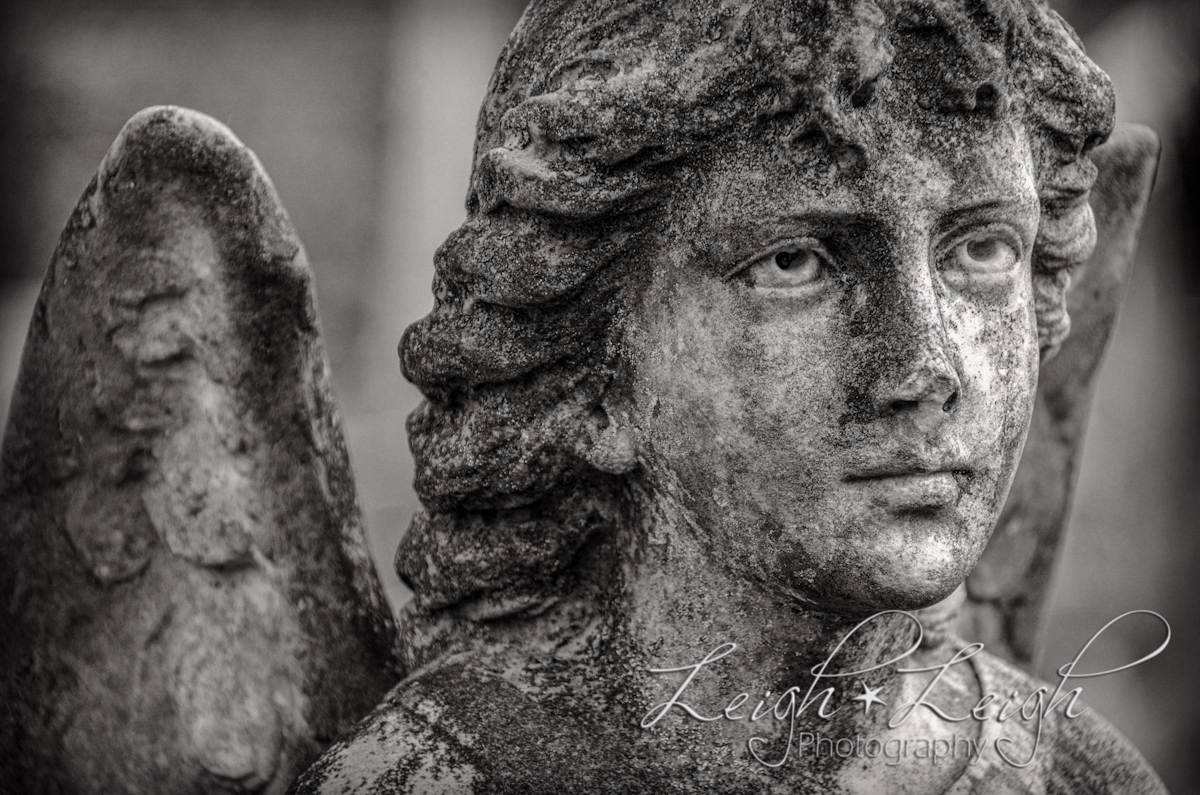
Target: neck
column 682, row 607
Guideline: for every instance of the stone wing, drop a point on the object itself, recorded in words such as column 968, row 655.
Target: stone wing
column 188, row 604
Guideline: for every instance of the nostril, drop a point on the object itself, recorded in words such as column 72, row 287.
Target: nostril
column 929, row 403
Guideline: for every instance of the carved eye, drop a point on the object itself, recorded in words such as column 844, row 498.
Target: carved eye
column 793, row 266
column 985, row 254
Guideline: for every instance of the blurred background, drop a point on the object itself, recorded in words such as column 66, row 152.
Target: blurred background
column 363, row 113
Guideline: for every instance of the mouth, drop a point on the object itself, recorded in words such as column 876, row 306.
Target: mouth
column 910, row 488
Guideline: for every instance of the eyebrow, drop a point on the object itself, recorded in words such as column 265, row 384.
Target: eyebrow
column 996, row 203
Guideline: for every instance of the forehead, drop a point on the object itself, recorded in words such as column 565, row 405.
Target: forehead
column 910, row 175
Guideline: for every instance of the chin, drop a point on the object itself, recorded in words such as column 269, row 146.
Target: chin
column 855, row 582
column 915, row 593
column 874, row 596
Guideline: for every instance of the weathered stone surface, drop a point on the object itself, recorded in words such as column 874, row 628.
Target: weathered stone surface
column 1008, row 589
column 740, row 344
column 188, row 605
column 731, row 364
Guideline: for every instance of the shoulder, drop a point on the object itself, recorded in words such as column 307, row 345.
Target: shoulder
column 1076, row 750
column 459, row 728
column 1091, row 756
column 401, row 747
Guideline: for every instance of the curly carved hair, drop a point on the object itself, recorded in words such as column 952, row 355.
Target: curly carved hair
column 592, row 105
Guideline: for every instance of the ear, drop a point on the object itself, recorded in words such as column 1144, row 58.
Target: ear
column 609, row 445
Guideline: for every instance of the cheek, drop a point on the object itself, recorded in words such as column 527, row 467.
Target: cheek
column 735, row 399
column 997, row 346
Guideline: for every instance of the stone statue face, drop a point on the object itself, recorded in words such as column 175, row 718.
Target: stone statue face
column 828, row 248
column 836, row 361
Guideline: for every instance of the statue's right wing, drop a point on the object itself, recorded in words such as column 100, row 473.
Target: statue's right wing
column 186, row 601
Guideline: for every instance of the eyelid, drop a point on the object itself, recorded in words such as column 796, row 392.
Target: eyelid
column 1001, row 230
column 810, row 243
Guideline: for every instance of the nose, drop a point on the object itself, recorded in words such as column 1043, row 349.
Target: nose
column 915, row 375
column 927, row 389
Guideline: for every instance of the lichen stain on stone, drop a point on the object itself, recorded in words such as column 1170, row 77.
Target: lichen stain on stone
column 110, row 531
column 201, row 504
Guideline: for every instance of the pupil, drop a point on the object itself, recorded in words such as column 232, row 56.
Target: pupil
column 784, row 260
column 981, row 249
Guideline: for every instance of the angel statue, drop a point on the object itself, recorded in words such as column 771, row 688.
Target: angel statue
column 727, row 387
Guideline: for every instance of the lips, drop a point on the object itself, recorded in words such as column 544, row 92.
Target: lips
column 910, row 484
